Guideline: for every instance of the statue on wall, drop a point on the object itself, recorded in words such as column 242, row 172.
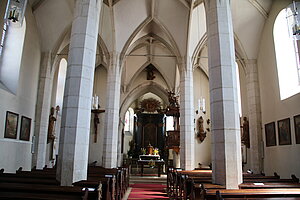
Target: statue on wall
column 150, row 72
column 51, row 126
column 245, row 132
column 201, row 134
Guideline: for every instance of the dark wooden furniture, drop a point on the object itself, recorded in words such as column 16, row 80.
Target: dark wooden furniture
column 157, row 163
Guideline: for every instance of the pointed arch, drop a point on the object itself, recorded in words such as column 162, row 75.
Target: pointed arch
column 141, row 90
column 129, row 45
column 137, row 73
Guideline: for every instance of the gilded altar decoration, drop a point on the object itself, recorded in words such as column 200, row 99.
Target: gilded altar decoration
column 155, row 151
column 150, row 105
column 201, row 134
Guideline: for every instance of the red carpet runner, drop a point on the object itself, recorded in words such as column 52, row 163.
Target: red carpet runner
column 147, row 191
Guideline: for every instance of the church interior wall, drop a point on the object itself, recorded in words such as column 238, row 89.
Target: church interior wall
column 277, row 158
column 96, row 148
column 16, row 153
column 201, row 90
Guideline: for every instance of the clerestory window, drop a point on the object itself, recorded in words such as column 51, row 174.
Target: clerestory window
column 287, row 57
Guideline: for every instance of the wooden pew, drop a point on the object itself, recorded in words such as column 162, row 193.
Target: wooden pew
column 121, row 182
column 40, row 191
column 251, row 193
column 46, row 177
column 190, row 184
column 269, row 185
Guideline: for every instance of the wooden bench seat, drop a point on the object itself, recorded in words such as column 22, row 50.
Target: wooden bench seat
column 29, row 180
column 251, row 193
column 64, row 191
column 269, row 185
column 22, row 196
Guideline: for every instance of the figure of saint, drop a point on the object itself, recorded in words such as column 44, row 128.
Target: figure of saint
column 150, row 72
column 51, row 126
column 245, row 135
column 201, row 132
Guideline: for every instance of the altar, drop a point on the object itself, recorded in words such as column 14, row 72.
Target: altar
column 151, row 161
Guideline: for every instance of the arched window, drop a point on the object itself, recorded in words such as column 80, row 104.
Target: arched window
column 129, row 120
column 11, row 44
column 11, row 56
column 61, row 79
column 287, row 58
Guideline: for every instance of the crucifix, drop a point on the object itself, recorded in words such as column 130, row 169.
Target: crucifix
column 96, row 121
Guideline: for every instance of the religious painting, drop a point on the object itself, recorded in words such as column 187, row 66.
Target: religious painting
column 11, row 125
column 284, row 132
column 297, row 128
column 150, row 135
column 270, row 134
column 25, row 128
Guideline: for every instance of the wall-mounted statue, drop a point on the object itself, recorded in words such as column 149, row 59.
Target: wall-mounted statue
column 201, row 134
column 150, row 72
column 245, row 132
column 51, row 126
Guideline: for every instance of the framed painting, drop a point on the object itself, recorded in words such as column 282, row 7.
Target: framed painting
column 297, row 128
column 270, row 134
column 284, row 131
column 25, row 128
column 11, row 125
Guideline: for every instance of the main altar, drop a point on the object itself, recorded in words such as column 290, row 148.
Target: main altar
column 151, row 161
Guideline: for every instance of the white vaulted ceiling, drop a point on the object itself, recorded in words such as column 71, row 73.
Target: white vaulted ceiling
column 152, row 31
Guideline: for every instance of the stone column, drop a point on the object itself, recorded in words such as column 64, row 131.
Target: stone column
column 76, row 112
column 120, row 138
column 254, row 110
column 111, row 126
column 226, row 139
column 187, row 137
column 42, row 112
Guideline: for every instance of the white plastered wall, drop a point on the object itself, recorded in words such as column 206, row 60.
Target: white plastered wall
column 283, row 159
column 201, row 90
column 15, row 153
column 96, row 149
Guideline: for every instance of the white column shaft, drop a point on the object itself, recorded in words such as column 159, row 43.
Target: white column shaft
column 187, row 137
column 254, row 108
column 226, row 140
column 76, row 111
column 111, row 126
column 42, row 112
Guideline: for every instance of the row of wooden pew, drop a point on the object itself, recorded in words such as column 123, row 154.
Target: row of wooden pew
column 106, row 184
column 197, row 184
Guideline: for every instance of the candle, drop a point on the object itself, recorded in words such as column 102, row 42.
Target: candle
column 203, row 105
column 93, row 102
column 96, row 102
column 199, row 105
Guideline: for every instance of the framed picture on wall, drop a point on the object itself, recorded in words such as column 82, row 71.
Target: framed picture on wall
column 297, row 128
column 284, row 132
column 270, row 134
column 25, row 128
column 11, row 125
